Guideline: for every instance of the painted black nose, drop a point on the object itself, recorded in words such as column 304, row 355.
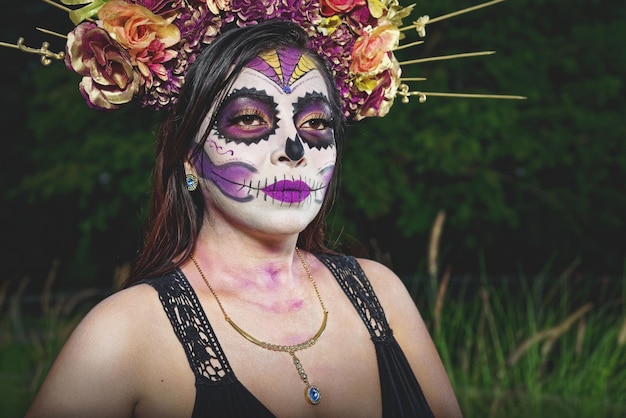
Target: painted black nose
column 294, row 148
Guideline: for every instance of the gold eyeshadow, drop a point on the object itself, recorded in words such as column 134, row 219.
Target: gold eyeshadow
column 314, row 107
column 246, row 116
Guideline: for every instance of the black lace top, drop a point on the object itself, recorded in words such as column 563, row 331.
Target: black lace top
column 218, row 391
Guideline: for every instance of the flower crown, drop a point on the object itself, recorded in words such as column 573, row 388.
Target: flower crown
column 140, row 50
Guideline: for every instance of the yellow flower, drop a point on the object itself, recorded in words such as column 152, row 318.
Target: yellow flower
column 366, row 83
column 377, row 7
column 328, row 25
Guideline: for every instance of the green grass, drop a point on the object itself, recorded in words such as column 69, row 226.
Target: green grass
column 31, row 336
column 550, row 346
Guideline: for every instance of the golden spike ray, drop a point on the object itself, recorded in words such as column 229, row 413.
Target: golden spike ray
column 447, row 57
column 46, row 54
column 449, row 15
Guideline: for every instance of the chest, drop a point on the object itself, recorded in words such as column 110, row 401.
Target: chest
column 342, row 364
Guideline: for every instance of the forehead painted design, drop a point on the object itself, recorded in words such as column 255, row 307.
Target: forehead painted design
column 283, row 66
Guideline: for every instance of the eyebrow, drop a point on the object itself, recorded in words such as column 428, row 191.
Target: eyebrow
column 246, row 92
column 312, row 98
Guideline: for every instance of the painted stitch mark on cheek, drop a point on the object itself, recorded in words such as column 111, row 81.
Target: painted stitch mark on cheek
column 327, row 173
column 247, row 116
column 314, row 120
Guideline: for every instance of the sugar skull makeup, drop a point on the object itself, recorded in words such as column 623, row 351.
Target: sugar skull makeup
column 272, row 148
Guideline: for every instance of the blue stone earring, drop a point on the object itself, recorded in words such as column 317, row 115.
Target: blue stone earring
column 192, row 182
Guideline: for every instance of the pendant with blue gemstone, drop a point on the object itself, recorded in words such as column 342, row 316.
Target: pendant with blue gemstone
column 312, row 395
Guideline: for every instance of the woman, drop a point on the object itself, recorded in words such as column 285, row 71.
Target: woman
column 236, row 307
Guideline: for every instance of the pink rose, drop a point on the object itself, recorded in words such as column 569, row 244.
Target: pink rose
column 109, row 79
column 136, row 27
column 339, row 7
column 371, row 52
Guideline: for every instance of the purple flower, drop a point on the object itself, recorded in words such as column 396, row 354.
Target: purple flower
column 159, row 6
column 372, row 104
column 336, row 49
column 198, row 27
column 361, row 17
column 248, row 12
column 305, row 13
column 115, row 73
column 109, row 78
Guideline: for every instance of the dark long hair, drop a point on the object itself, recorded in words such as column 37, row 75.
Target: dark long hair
column 175, row 214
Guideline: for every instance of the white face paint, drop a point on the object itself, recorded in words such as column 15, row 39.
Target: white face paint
column 269, row 158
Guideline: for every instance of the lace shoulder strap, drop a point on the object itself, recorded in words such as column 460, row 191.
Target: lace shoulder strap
column 191, row 326
column 358, row 288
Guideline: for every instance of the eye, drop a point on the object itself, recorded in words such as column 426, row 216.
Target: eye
column 314, row 118
column 247, row 119
column 315, row 123
column 246, row 116
column 316, row 130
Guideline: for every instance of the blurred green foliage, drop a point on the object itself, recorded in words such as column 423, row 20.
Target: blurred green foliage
column 522, row 183
column 75, row 183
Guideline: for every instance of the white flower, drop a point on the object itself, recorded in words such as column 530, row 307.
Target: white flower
column 420, row 25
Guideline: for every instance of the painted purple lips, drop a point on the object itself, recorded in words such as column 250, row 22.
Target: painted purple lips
column 289, row 191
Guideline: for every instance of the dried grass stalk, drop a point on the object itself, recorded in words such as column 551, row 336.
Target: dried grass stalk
column 550, row 335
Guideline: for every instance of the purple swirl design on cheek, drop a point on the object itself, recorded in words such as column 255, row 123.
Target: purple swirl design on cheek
column 220, row 149
column 232, row 179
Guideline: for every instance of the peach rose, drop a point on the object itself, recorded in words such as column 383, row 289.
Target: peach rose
column 371, row 52
column 136, row 27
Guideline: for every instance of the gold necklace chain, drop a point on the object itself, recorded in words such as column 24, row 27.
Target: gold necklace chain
column 311, row 393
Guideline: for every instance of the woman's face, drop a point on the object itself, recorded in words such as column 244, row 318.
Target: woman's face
column 269, row 157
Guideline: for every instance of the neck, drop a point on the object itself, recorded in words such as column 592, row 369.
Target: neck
column 247, row 261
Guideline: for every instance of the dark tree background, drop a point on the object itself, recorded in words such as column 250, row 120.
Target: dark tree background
column 525, row 186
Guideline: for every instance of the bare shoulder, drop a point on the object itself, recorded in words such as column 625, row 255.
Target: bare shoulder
column 115, row 318
column 99, row 363
column 400, row 309
column 390, row 290
column 121, row 304
column 413, row 337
